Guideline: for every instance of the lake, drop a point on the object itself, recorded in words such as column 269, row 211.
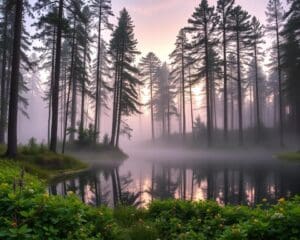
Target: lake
column 242, row 177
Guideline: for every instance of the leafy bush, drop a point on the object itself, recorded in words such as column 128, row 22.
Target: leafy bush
column 27, row 212
column 176, row 219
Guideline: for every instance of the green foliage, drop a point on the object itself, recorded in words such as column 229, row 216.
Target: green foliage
column 208, row 220
column 28, row 212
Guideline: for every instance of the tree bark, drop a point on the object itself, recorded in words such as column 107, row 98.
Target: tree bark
column 279, row 78
column 4, row 80
column 208, row 105
column 258, row 121
column 225, row 80
column 183, row 88
column 14, row 87
column 239, row 82
column 55, row 92
column 98, row 80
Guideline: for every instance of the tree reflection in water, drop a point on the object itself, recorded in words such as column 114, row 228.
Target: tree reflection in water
column 226, row 182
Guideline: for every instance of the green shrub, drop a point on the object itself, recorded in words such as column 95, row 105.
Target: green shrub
column 27, row 212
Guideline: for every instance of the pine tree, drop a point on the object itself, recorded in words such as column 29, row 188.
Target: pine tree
column 14, row 84
column 291, row 60
column 46, row 32
column 123, row 50
column 78, row 42
column 104, row 86
column 275, row 21
column 178, row 58
column 163, row 103
column 256, row 41
column 204, row 23
column 55, row 87
column 240, row 28
column 86, row 41
column 149, row 67
column 4, row 59
column 101, row 9
column 224, row 8
column 7, row 28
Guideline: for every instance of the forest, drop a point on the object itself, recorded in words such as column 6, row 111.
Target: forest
column 102, row 138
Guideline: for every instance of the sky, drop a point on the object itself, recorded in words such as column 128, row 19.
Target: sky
column 157, row 22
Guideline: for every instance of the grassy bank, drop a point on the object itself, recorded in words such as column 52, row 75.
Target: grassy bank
column 27, row 212
column 290, row 156
column 36, row 159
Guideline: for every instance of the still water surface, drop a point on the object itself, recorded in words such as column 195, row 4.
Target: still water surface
column 245, row 177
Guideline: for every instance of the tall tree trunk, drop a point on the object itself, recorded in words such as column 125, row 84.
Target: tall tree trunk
column 191, row 103
column 119, row 112
column 279, row 78
column 66, row 117
column 180, row 111
column 239, row 82
column 169, row 113
column 115, row 102
column 163, row 125
column 70, row 88
column 208, row 104
column 83, row 89
column 232, row 110
column 225, row 80
column 250, row 105
column 55, row 92
column 73, row 109
column 119, row 121
column 14, row 87
column 183, row 89
column 4, row 80
column 51, row 86
column 151, row 102
column 73, row 77
column 98, row 80
column 258, row 121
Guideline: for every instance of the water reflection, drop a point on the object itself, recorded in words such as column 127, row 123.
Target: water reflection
column 140, row 182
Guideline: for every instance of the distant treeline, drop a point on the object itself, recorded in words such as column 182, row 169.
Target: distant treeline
column 222, row 50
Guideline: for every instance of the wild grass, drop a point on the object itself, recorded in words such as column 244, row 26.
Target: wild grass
column 37, row 159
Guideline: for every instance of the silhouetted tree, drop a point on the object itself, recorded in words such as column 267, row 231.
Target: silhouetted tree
column 240, row 28
column 204, row 23
column 178, row 58
column 274, row 25
column 256, row 41
column 291, row 60
column 101, row 9
column 149, row 67
column 123, row 51
column 224, row 8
